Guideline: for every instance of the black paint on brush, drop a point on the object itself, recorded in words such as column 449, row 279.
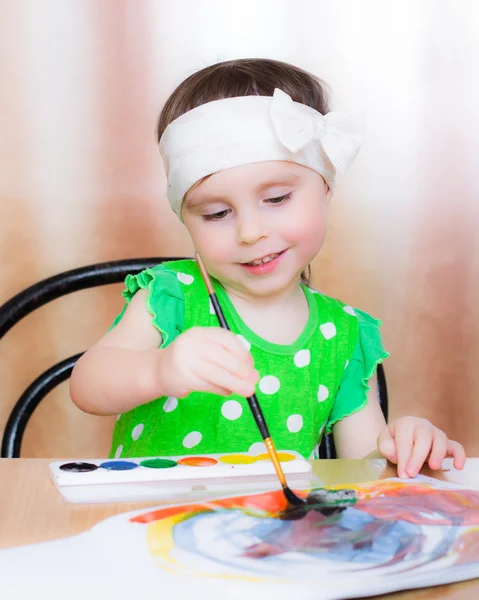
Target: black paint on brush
column 293, row 499
column 326, row 502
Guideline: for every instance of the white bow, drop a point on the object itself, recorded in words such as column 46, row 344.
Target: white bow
column 337, row 133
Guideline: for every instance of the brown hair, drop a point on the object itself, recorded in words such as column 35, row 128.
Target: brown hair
column 244, row 77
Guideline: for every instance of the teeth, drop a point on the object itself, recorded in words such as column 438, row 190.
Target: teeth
column 262, row 261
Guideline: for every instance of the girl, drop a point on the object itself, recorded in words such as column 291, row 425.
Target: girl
column 251, row 153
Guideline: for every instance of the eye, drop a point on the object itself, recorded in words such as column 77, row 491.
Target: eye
column 279, row 199
column 218, row 216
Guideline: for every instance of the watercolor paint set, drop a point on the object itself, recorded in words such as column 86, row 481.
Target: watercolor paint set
column 158, row 478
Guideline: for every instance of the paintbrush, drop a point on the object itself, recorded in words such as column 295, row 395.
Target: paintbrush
column 291, row 497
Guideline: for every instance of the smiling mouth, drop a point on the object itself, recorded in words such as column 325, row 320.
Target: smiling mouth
column 264, row 260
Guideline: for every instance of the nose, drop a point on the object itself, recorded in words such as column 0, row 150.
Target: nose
column 250, row 229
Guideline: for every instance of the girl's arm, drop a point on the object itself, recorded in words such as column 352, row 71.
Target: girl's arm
column 127, row 367
column 356, row 436
column 119, row 371
column 408, row 442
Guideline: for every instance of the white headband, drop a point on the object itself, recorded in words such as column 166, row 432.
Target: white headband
column 238, row 131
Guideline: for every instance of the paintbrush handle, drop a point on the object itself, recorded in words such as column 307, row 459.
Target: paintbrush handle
column 258, row 416
column 252, row 400
column 219, row 313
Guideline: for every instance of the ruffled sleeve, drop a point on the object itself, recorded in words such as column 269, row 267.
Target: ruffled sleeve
column 368, row 353
column 165, row 301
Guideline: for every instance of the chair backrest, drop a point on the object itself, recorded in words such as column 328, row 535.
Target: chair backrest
column 36, row 296
column 65, row 283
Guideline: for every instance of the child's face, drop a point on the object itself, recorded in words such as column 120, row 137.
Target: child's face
column 274, row 210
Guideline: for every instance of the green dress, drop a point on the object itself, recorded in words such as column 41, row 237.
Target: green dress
column 304, row 387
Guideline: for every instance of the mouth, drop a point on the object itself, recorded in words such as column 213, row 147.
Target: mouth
column 264, row 260
column 264, row 265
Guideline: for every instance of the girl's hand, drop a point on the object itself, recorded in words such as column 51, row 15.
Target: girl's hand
column 207, row 359
column 410, row 441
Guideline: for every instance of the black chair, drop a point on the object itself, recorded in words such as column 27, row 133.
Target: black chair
column 65, row 283
column 36, row 296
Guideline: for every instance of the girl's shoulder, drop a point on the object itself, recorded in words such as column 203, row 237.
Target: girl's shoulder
column 166, row 275
column 166, row 285
column 340, row 308
column 185, row 265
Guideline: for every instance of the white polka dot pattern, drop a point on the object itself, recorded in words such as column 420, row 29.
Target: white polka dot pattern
column 323, row 393
column 302, row 358
column 257, row 448
column 137, row 431
column 296, row 381
column 269, row 384
column 192, row 439
column 231, row 410
column 328, row 330
column 185, row 278
column 294, row 423
column 170, row 404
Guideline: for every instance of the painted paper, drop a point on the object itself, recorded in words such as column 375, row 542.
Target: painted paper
column 361, row 539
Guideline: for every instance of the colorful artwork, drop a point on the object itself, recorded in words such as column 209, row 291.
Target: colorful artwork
column 385, row 529
column 350, row 541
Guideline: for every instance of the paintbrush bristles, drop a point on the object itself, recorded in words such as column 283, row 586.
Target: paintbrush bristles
column 204, row 274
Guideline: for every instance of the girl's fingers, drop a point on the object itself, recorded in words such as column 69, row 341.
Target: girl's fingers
column 439, row 449
column 206, row 386
column 456, row 450
column 230, row 342
column 223, row 359
column 218, row 377
column 420, row 451
column 403, row 436
column 387, row 446
column 409, row 442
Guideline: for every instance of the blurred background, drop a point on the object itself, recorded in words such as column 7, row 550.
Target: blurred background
column 81, row 180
